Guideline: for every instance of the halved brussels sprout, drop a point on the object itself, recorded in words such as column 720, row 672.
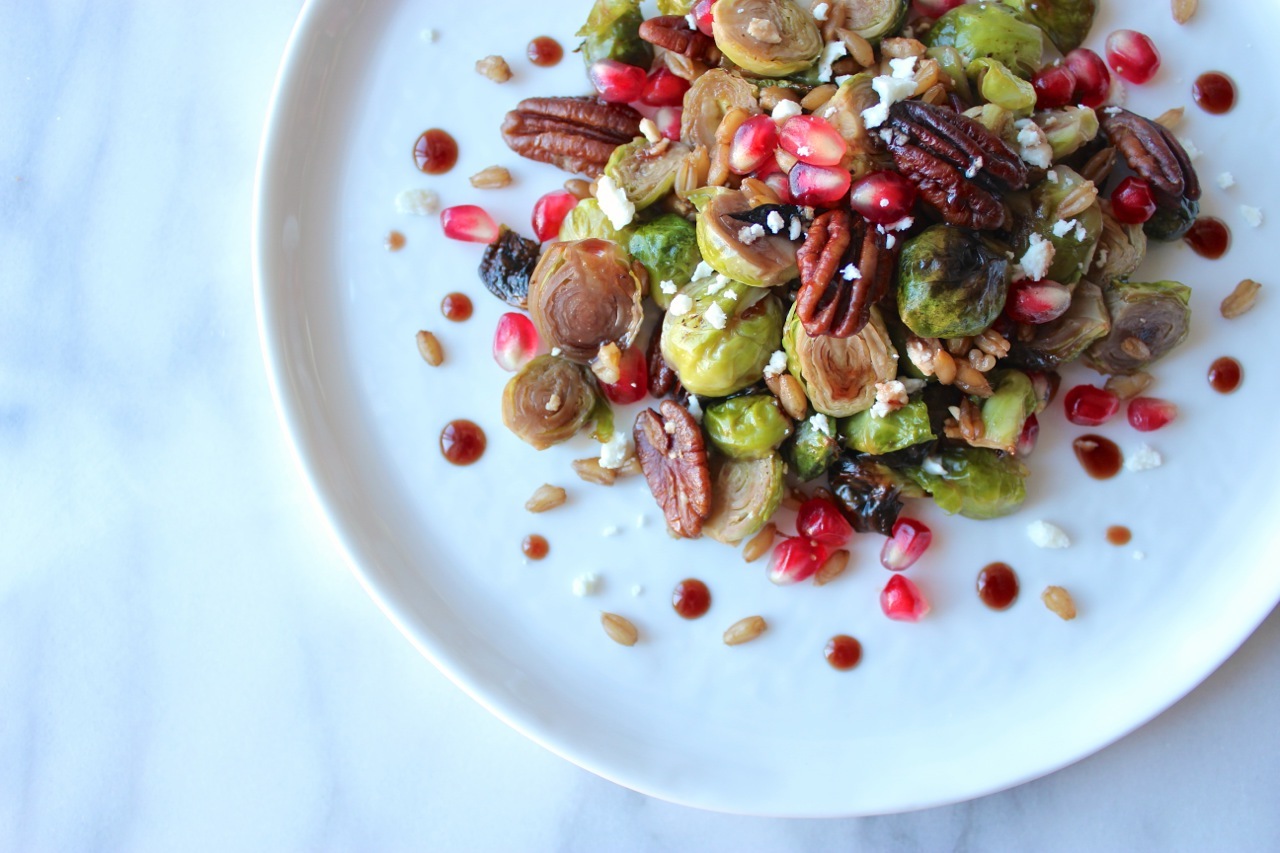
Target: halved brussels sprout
column 1068, row 129
column 1064, row 339
column 990, row 29
column 612, row 31
column 875, row 20
column 973, row 481
column 1065, row 22
column 721, row 343
column 506, row 266
column 863, row 154
column 895, row 431
column 1121, row 248
column 667, row 248
column 586, row 219
column 953, row 64
column 772, row 38
column 1074, row 240
column 645, row 172
column 1005, row 412
column 996, row 119
column 812, row 448
column 749, row 427
column 951, row 283
column 1147, row 321
column 839, row 375
column 548, row 401
column 870, row 492
column 710, row 97
column 586, row 294
column 675, row 7
column 745, row 493
column 1000, row 86
column 1172, row 223
column 729, row 247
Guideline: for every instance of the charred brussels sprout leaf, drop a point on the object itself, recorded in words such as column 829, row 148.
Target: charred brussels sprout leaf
column 762, row 261
column 811, row 450
column 548, row 401
column 749, row 427
column 895, row 431
column 586, row 219
column 1074, row 240
column 507, row 265
column 586, row 294
column 643, row 171
column 745, row 493
column 714, row 359
column 973, row 481
column 1147, row 321
column 1172, row 223
column 870, row 493
column 772, row 38
column 875, row 20
column 1121, row 248
column 667, row 248
column 612, row 31
column 1064, row 339
column 1065, row 22
column 976, row 30
column 951, row 283
column 839, row 375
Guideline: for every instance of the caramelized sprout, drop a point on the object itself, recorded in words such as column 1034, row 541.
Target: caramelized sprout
column 745, row 493
column 1065, row 22
column 1068, row 129
column 870, row 492
column 720, row 344
column 506, row 266
column 667, row 248
column 772, row 38
column 612, row 31
column 863, row 154
column 644, row 171
column 1074, row 239
column 1000, row 86
column 1005, row 412
column 1147, row 321
column 586, row 219
column 976, row 30
column 898, row 430
column 951, row 283
column 973, row 481
column 586, row 294
column 705, row 104
column 1064, row 339
column 1121, row 248
column 733, row 248
column 875, row 20
column 548, row 401
column 812, row 449
column 1172, row 223
column 748, row 427
column 839, row 375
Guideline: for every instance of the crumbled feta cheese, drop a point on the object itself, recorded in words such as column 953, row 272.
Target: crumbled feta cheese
column 1139, row 555
column 903, row 69
column 650, row 130
column 613, row 453
column 775, row 222
column 851, row 273
column 636, row 590
column 680, row 305
column 890, row 396
column 974, row 168
column 611, row 530
column 891, row 90
column 764, row 31
column 418, row 202
column 715, row 316
column 721, row 281
column 695, row 408
column 1252, row 215
column 777, row 364
column 1038, row 258
column 1081, row 232
column 933, row 465
column 901, row 225
column 1051, row 176
column 614, row 203
column 913, row 385
column 429, row 35
column 832, row 52
column 796, row 228
column 1144, row 458
column 890, row 241
column 693, row 21
column 668, row 287
column 1062, row 226
column 820, row 12
column 1226, row 180
column 556, row 351
column 750, row 234
column 553, row 403
column 702, row 270
column 820, row 422
column 842, row 77
column 731, row 294
column 1046, row 535
column 803, row 150
column 641, row 520
column 1192, row 151
column 587, row 583
column 1033, row 145
column 785, row 109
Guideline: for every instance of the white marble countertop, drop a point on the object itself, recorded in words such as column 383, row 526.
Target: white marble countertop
column 185, row 661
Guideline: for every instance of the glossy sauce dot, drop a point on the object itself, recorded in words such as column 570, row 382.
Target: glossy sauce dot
column 1119, row 535
column 843, row 652
column 998, row 586
column 435, row 152
column 394, row 242
column 456, row 307
column 462, row 442
column 1214, row 92
column 545, row 51
column 691, row 598
column 1225, row 375
column 1209, row 237
column 534, row 547
column 1100, row 456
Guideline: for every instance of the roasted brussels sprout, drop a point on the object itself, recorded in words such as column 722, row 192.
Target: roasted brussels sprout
column 506, row 266
column 643, row 171
column 749, row 427
column 895, row 431
column 996, row 119
column 705, row 104
column 870, row 492
column 586, row 294
column 772, row 38
column 1147, row 321
column 675, row 7
column 1005, row 412
column 951, row 282
column 1064, row 339
column 586, row 219
column 612, row 31
column 1068, row 129
column 733, row 248
column 812, row 448
column 1121, row 248
column 1000, row 86
column 548, row 401
column 745, row 493
column 1172, row 223
column 667, row 248
column 839, row 375
column 973, row 481
column 844, row 113
column 1065, row 22
column 875, row 20
column 990, row 29
column 953, row 64
column 719, row 343
column 1074, row 240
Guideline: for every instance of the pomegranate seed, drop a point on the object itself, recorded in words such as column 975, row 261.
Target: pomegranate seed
column 781, row 186
column 1055, row 86
column 796, row 560
column 549, row 213
column 883, row 197
column 753, row 145
column 702, row 14
column 1148, row 414
column 1037, row 302
column 515, row 341
column 1028, row 437
column 664, row 89
column 1088, row 405
column 908, row 541
column 1132, row 55
column 902, row 600
column 812, row 140
column 668, row 121
column 1093, row 80
column 817, row 186
column 820, row 521
column 616, row 81
column 1132, row 202
column 934, row 8
column 469, row 224
column 633, row 379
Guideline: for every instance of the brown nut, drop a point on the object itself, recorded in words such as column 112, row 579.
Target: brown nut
column 662, row 379
column 844, row 269
column 1154, row 153
column 574, row 134
column 674, row 460
column 673, row 33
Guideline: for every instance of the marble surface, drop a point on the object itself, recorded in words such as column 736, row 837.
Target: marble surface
column 185, row 661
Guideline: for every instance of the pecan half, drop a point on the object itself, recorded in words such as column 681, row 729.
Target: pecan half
column 1154, row 153
column 673, row 33
column 674, row 460
column 959, row 167
column 845, row 268
column 574, row 134
column 662, row 379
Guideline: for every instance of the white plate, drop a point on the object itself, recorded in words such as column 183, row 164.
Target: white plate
column 967, row 702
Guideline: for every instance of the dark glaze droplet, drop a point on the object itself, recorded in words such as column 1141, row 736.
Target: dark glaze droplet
column 691, row 598
column 1100, row 456
column 462, row 442
column 545, row 51
column 1225, row 375
column 1119, row 535
column 435, row 152
column 843, row 652
column 998, row 586
column 1215, row 92
column 534, row 547
column 394, row 242
column 1209, row 237
column 456, row 307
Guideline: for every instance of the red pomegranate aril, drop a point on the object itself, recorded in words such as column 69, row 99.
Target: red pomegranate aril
column 617, row 82
column 908, row 541
column 934, row 8
column 1037, row 302
column 1132, row 55
column 796, row 560
column 664, row 89
column 469, row 224
column 515, row 341
column 1093, row 80
column 902, row 601
column 1055, row 86
column 1088, row 405
column 818, row 186
column 668, row 121
column 820, row 521
column 1148, row 414
column 1028, row 437
column 780, row 183
column 883, row 197
column 812, row 140
column 549, row 213
column 753, row 145
column 1132, row 201
column 702, row 14
column 633, row 379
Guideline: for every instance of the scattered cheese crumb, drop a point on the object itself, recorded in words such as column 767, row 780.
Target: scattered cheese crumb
column 1046, row 535
column 715, row 316
column 636, row 590
column 820, row 12
column 721, row 281
column 1051, row 176
column 903, row 69
column 1033, row 145
column 650, row 130
column 775, row 222
column 901, row 225
column 851, row 273
column 796, row 227
column 1038, row 258
column 614, row 203
column 418, row 202
column 695, row 408
column 556, row 351
column 429, row 35
column 693, row 21
column 777, row 364
column 731, row 294
column 1226, row 180
column 832, row 52
column 668, row 287
column 1062, row 226
column 933, row 465
column 611, row 530
column 912, row 384
column 1081, row 232
column 613, row 453
column 641, row 520
column 764, row 31
column 750, row 234
column 1192, row 151
column 681, row 304
column 1139, row 555
column 1144, row 458
column 820, row 422
column 1252, row 215
column 890, row 396
column 891, row 90
column 890, row 241
column 587, row 583
column 786, row 109
column 702, row 270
